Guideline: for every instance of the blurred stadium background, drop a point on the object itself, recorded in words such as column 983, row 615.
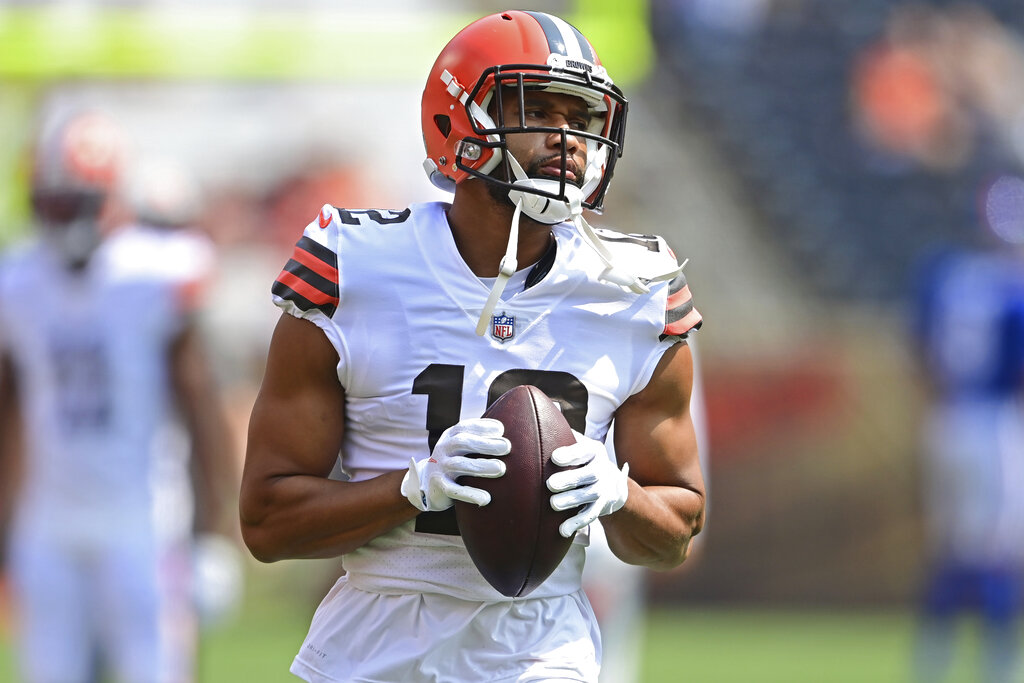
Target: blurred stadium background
column 803, row 154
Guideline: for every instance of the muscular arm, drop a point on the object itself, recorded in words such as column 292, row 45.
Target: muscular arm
column 655, row 435
column 213, row 454
column 289, row 508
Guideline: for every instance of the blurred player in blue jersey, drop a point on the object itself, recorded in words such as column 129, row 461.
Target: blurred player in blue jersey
column 99, row 353
column 970, row 334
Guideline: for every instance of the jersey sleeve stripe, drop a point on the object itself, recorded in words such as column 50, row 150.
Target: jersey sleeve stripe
column 690, row 321
column 310, row 278
column 301, row 271
column 678, row 298
column 317, row 258
column 678, row 313
column 304, row 295
column 303, row 287
column 288, row 294
column 318, row 250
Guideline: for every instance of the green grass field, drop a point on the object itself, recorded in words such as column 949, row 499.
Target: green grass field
column 700, row 646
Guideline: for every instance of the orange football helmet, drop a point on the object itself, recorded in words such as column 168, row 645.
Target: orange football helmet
column 521, row 50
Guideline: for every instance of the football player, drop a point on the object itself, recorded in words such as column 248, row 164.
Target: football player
column 99, row 350
column 969, row 335
column 401, row 326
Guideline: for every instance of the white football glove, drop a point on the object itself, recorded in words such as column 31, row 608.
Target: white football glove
column 430, row 483
column 599, row 485
column 219, row 580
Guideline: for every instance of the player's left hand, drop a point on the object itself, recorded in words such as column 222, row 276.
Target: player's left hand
column 599, row 485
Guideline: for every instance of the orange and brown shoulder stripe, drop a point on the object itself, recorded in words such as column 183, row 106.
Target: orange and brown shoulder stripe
column 681, row 316
column 310, row 278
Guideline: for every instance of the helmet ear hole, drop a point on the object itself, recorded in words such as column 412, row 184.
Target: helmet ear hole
column 443, row 123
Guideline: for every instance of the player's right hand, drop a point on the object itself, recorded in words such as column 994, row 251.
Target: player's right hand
column 430, row 483
column 596, row 483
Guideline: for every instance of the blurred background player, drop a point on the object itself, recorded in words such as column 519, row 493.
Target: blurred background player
column 101, row 357
column 970, row 330
column 166, row 203
column 618, row 591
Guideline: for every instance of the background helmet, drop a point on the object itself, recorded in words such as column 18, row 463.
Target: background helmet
column 75, row 167
column 519, row 50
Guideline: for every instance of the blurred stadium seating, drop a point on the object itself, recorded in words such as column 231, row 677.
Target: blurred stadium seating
column 777, row 96
column 822, row 215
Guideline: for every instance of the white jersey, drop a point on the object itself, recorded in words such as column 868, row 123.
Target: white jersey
column 90, row 350
column 395, row 298
column 103, row 510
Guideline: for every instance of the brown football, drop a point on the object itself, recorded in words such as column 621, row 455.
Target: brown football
column 514, row 540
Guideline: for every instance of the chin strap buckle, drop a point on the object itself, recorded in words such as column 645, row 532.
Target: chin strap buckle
column 508, row 266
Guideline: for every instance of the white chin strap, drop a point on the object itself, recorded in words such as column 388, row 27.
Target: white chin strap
column 506, row 270
column 550, row 211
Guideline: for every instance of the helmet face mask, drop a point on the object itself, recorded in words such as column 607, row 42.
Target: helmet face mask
column 604, row 145
column 508, row 55
column 55, row 207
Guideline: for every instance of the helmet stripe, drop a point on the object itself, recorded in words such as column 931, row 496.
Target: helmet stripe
column 569, row 39
column 586, row 49
column 562, row 38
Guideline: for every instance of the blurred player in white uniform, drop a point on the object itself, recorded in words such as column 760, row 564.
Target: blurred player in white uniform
column 401, row 326
column 99, row 354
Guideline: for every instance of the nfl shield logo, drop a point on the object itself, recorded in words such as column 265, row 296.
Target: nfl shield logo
column 503, row 327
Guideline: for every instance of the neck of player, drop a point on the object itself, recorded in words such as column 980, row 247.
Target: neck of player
column 480, row 226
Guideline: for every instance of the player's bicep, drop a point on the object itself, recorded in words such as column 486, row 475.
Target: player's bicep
column 654, row 431
column 298, row 418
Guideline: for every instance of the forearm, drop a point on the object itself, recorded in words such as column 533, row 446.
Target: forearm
column 214, row 458
column 215, row 472
column 655, row 526
column 11, row 448
column 10, row 476
column 305, row 516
